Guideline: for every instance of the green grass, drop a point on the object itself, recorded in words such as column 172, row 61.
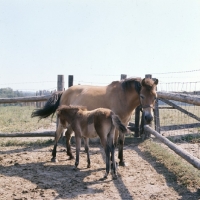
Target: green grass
column 18, row 119
column 186, row 174
column 190, row 138
column 41, row 143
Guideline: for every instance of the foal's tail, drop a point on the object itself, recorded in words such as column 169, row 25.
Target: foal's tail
column 118, row 124
column 49, row 108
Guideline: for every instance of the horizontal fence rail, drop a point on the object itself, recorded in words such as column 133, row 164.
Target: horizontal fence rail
column 24, row 99
column 191, row 99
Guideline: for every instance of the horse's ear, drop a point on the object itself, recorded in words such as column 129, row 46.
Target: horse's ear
column 156, row 81
column 58, row 111
column 143, row 82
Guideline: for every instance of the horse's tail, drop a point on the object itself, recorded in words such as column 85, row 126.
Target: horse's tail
column 49, row 108
column 118, row 124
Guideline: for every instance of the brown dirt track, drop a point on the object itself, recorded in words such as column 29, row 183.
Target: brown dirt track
column 27, row 173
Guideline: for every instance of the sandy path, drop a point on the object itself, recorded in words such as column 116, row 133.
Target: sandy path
column 27, row 173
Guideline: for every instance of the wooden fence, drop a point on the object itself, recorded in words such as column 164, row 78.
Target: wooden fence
column 163, row 96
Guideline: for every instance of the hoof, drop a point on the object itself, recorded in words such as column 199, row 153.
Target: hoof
column 116, row 165
column 106, row 175
column 114, row 176
column 54, row 160
column 71, row 157
column 88, row 166
column 75, row 168
column 122, row 163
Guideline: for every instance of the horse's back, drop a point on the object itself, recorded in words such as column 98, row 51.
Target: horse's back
column 91, row 96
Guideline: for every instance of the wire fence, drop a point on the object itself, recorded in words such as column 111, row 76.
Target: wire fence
column 177, row 79
column 179, row 127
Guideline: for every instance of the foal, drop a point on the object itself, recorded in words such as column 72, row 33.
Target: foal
column 89, row 124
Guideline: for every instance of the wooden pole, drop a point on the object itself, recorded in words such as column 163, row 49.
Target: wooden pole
column 181, row 152
column 40, row 103
column 191, row 99
column 148, row 76
column 60, row 87
column 157, row 117
column 70, row 80
column 60, row 83
column 123, row 76
column 24, row 99
column 137, row 122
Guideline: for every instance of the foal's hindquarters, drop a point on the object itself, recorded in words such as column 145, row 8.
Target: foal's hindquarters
column 106, row 135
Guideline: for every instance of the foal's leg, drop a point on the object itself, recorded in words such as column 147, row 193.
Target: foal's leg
column 111, row 150
column 68, row 145
column 86, row 141
column 78, row 147
column 107, row 152
column 121, row 146
column 59, row 130
column 115, row 144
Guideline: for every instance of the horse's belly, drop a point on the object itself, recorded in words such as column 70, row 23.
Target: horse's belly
column 90, row 132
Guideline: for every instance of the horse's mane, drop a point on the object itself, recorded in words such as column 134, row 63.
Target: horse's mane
column 128, row 83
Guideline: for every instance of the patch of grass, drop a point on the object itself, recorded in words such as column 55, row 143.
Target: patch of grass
column 26, row 143
column 190, row 138
column 186, row 174
column 18, row 119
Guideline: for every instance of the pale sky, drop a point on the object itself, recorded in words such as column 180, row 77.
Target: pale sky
column 97, row 41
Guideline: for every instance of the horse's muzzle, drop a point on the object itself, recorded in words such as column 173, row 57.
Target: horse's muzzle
column 148, row 118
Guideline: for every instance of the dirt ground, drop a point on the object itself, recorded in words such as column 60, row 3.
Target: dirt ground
column 27, row 173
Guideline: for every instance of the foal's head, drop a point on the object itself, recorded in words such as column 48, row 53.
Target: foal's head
column 148, row 97
column 66, row 114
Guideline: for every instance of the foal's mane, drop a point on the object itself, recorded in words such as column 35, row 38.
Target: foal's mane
column 71, row 107
column 128, row 83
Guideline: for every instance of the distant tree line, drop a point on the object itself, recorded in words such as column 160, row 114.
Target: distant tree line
column 10, row 93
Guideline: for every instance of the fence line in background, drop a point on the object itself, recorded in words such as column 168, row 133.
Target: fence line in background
column 189, row 99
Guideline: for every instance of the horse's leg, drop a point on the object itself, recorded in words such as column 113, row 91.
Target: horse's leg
column 78, row 147
column 121, row 145
column 86, row 141
column 111, row 147
column 59, row 130
column 68, row 144
column 107, row 152
column 113, row 162
column 115, row 141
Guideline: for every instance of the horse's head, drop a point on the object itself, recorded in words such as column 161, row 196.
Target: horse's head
column 148, row 97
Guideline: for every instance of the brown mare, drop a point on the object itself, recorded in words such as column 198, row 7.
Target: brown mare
column 100, row 122
column 122, row 97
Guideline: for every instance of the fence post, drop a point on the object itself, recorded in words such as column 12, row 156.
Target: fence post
column 137, row 121
column 123, row 76
column 60, row 87
column 36, row 101
column 40, row 103
column 60, row 83
column 70, row 80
